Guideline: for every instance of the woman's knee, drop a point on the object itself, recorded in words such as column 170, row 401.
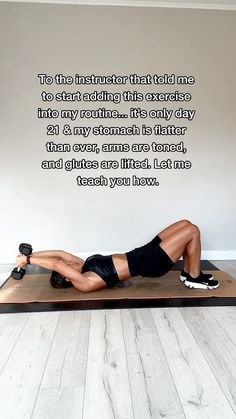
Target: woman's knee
column 191, row 227
column 190, row 230
column 195, row 229
column 185, row 223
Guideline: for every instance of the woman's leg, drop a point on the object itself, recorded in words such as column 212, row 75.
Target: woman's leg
column 169, row 231
column 172, row 228
column 184, row 240
column 187, row 240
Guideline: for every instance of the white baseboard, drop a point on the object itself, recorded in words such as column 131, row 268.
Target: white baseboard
column 218, row 255
column 141, row 3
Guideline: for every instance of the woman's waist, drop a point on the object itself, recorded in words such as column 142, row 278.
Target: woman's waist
column 121, row 265
column 108, row 264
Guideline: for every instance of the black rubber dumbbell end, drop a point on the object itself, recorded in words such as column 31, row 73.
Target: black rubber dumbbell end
column 25, row 249
column 18, row 274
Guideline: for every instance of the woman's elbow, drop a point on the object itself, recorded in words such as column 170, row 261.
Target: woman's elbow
column 82, row 287
column 86, row 285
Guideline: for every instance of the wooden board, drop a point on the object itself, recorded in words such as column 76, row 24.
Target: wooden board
column 34, row 293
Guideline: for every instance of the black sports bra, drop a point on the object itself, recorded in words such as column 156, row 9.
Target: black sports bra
column 104, row 267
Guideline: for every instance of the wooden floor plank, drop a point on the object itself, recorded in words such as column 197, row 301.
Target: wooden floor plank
column 11, row 326
column 152, row 387
column 21, row 376
column 107, row 384
column 227, row 266
column 217, row 348
column 199, row 391
column 59, row 403
column 226, row 317
column 61, row 392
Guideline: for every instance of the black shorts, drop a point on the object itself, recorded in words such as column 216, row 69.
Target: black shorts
column 149, row 260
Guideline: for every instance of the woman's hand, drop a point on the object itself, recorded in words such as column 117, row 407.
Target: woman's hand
column 21, row 261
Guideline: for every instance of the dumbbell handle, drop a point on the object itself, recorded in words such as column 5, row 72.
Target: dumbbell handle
column 26, row 250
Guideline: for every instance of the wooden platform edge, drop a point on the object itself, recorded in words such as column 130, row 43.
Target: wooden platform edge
column 117, row 304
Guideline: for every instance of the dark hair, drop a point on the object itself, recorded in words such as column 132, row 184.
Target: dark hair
column 59, row 281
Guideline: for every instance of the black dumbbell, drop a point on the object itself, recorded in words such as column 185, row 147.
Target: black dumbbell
column 24, row 249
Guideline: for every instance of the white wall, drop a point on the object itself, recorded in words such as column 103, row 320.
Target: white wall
column 47, row 209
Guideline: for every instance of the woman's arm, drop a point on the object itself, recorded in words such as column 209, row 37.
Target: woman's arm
column 54, row 264
column 60, row 254
column 49, row 254
column 45, row 262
